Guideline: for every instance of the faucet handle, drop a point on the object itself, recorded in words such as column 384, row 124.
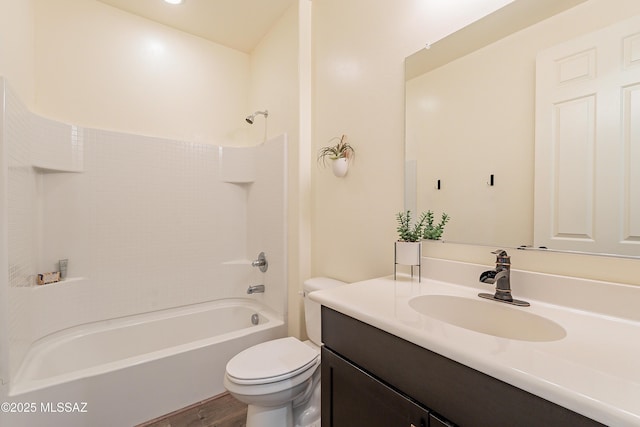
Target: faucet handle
column 261, row 262
column 502, row 258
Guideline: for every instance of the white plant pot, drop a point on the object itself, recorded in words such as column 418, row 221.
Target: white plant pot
column 340, row 167
column 408, row 253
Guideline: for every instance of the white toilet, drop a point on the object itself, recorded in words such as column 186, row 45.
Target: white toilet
column 279, row 380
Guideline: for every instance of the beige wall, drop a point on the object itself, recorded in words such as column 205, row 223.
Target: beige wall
column 359, row 91
column 99, row 67
column 359, row 51
column 16, row 47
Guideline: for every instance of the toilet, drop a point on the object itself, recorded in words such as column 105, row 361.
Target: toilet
column 279, row 380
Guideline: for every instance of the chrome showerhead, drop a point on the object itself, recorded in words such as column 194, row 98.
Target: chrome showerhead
column 250, row 118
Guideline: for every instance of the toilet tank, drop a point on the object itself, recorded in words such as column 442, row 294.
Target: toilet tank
column 312, row 308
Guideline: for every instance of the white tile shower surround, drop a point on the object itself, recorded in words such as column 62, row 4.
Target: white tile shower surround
column 19, row 193
column 146, row 223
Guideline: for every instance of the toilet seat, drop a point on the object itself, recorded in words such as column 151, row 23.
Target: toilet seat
column 272, row 361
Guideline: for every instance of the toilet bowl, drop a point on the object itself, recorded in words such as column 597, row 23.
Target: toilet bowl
column 279, row 380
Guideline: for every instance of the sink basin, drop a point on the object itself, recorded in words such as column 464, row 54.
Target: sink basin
column 488, row 317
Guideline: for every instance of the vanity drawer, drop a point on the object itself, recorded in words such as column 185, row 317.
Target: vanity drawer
column 463, row 395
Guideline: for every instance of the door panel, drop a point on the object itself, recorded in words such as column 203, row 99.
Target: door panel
column 587, row 184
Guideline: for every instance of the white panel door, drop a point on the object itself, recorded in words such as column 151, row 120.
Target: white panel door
column 587, row 185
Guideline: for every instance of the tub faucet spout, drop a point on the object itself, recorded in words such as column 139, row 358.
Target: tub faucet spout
column 255, row 289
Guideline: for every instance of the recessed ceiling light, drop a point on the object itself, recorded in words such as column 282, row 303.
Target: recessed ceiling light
column 174, row 1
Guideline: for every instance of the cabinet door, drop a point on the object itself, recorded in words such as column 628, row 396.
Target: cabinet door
column 435, row 421
column 351, row 397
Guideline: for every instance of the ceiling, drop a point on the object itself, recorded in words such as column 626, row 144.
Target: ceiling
column 238, row 24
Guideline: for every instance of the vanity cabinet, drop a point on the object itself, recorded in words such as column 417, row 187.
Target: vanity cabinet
column 359, row 399
column 373, row 378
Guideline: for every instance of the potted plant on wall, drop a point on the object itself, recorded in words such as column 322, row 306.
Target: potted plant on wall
column 340, row 155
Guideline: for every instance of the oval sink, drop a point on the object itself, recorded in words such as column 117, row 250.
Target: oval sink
column 488, row 317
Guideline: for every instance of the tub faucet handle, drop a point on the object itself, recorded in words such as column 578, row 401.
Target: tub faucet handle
column 261, row 262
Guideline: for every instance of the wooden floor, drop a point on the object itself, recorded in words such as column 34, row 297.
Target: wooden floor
column 219, row 411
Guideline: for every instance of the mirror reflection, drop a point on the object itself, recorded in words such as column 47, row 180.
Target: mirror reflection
column 471, row 123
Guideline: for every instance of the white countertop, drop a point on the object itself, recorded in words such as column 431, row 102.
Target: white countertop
column 594, row 370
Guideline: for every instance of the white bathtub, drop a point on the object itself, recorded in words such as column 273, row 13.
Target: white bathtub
column 125, row 371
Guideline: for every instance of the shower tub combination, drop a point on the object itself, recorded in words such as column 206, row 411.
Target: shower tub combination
column 129, row 370
column 75, row 184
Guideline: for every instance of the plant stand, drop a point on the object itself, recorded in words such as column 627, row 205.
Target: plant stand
column 408, row 253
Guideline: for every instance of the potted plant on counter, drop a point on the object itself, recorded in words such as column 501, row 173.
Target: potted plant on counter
column 433, row 231
column 339, row 154
column 408, row 248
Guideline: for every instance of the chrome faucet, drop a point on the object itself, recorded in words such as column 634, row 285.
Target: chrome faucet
column 255, row 289
column 261, row 262
column 501, row 277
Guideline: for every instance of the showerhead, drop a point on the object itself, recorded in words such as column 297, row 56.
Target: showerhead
column 250, row 118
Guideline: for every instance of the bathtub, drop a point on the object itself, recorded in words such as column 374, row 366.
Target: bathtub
column 129, row 370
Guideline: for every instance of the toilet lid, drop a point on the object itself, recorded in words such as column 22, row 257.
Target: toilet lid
column 272, row 361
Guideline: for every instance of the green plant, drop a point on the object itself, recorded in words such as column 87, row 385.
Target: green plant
column 434, row 231
column 408, row 232
column 342, row 149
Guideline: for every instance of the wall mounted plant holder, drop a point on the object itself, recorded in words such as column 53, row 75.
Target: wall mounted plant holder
column 340, row 167
column 340, row 156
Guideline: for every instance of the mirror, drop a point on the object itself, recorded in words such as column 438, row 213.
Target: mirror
column 470, row 117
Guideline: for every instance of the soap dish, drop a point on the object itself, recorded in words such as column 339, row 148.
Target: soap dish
column 46, row 278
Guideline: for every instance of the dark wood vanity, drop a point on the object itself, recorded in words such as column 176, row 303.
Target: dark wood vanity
column 372, row 378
